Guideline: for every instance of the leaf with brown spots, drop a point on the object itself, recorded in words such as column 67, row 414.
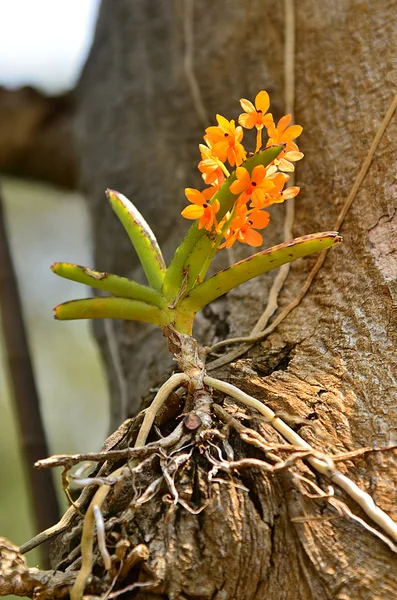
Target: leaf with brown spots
column 255, row 265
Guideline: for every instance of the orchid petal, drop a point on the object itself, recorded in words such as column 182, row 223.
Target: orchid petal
column 192, row 212
column 293, row 155
column 283, row 123
column 195, row 196
column 262, row 101
column 247, row 121
column 294, row 131
column 224, row 123
column 252, row 238
column 258, row 173
column 247, row 106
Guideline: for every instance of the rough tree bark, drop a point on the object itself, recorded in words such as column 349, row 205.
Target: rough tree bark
column 332, row 360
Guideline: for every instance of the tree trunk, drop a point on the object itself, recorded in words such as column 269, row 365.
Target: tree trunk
column 332, row 359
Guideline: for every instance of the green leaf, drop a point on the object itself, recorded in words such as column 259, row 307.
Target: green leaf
column 120, row 286
column 193, row 253
column 142, row 238
column 110, row 308
column 255, row 265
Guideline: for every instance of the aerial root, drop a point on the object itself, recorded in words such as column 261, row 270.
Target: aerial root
column 157, row 466
column 321, row 462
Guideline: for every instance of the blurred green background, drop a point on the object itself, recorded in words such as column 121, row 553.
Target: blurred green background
column 46, row 225
column 45, row 44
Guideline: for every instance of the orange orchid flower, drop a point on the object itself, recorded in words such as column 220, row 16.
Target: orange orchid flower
column 290, row 192
column 284, row 161
column 278, row 195
column 255, row 191
column 283, row 133
column 224, row 140
column 210, row 167
column 243, row 226
column 200, row 209
column 255, row 187
column 256, row 116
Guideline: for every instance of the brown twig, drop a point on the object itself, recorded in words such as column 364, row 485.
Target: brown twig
column 361, row 452
column 188, row 62
column 18, row 580
column 25, row 395
column 68, row 460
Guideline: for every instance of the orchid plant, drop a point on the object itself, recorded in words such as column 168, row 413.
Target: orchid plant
column 230, row 209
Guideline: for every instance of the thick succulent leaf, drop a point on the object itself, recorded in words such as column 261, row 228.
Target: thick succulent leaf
column 120, row 286
column 142, row 238
column 255, row 265
column 198, row 244
column 110, row 308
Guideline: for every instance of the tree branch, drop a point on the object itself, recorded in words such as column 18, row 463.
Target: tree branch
column 36, row 138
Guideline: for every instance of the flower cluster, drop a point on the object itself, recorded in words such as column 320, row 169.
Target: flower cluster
column 254, row 191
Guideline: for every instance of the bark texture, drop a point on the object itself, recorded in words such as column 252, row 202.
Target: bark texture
column 332, row 360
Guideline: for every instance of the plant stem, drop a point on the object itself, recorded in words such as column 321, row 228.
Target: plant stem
column 184, row 321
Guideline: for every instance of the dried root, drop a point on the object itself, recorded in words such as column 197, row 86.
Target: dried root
column 107, row 556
